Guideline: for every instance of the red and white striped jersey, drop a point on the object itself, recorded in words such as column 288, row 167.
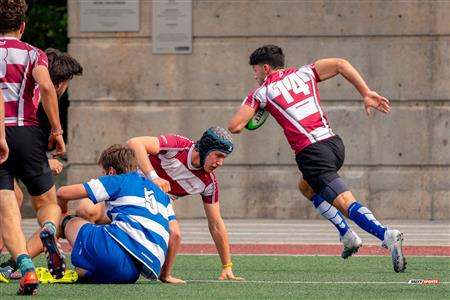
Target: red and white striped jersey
column 292, row 98
column 20, row 90
column 174, row 163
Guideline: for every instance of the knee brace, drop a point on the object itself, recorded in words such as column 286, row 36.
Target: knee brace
column 333, row 189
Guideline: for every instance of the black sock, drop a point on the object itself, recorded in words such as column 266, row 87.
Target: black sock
column 10, row 263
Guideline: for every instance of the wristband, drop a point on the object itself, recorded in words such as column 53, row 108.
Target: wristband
column 152, row 175
column 227, row 265
column 57, row 132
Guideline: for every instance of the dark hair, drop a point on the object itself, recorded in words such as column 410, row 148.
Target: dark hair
column 121, row 158
column 12, row 14
column 268, row 54
column 62, row 66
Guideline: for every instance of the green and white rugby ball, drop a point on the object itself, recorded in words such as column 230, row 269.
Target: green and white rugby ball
column 258, row 119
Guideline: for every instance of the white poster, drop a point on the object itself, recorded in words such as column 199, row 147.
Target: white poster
column 109, row 16
column 172, row 26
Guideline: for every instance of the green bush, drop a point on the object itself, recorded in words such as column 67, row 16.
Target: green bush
column 47, row 25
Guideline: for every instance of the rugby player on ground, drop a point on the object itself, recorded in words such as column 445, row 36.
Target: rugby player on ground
column 136, row 241
column 181, row 167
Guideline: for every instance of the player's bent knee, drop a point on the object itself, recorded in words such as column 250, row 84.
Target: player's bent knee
column 72, row 227
column 88, row 211
column 333, row 189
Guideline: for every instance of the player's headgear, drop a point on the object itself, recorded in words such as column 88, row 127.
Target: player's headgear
column 214, row 139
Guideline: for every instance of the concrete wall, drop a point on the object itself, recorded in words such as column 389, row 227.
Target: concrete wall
column 397, row 164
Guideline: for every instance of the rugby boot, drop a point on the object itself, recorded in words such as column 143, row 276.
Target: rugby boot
column 56, row 261
column 393, row 240
column 351, row 242
column 44, row 276
column 28, row 285
column 5, row 274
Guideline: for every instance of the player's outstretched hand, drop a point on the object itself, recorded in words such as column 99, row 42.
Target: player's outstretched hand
column 227, row 274
column 171, row 279
column 162, row 184
column 373, row 100
column 4, row 151
column 56, row 166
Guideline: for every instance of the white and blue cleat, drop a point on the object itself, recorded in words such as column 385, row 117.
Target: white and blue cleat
column 351, row 242
column 393, row 240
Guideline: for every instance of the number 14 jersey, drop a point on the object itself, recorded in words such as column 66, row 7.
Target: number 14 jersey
column 291, row 96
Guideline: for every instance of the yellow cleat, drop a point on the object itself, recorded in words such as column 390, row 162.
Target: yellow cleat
column 5, row 274
column 45, row 276
column 3, row 279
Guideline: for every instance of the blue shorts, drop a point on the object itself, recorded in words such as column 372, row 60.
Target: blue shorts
column 105, row 259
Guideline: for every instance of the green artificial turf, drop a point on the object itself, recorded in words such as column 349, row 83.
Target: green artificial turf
column 273, row 277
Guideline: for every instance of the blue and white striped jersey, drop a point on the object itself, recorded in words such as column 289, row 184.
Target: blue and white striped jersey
column 140, row 214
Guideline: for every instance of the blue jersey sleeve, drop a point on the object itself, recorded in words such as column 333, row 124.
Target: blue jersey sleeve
column 104, row 188
column 170, row 212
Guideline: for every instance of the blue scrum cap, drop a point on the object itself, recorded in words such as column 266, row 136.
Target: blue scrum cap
column 214, row 139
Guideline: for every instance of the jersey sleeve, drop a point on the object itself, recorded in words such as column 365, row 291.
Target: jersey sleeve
column 311, row 70
column 104, row 188
column 41, row 59
column 211, row 192
column 173, row 142
column 251, row 100
column 171, row 212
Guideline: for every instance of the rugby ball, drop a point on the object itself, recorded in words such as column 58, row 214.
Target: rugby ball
column 258, row 119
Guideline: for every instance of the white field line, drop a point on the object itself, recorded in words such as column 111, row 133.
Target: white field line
column 304, row 282
column 299, row 255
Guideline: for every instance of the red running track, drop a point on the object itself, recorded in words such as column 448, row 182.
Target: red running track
column 299, row 249
column 284, row 249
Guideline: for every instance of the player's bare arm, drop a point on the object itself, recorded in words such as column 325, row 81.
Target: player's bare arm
column 50, row 104
column 68, row 193
column 220, row 236
column 143, row 146
column 240, row 119
column 4, row 150
column 330, row 67
column 172, row 250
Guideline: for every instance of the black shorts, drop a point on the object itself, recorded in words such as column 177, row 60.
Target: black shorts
column 320, row 162
column 27, row 160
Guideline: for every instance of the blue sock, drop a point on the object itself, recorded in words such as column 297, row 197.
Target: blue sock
column 25, row 263
column 362, row 216
column 330, row 212
column 50, row 226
